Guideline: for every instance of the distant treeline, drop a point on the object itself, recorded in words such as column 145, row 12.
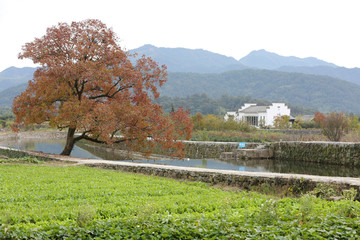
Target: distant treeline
column 201, row 103
column 6, row 113
column 323, row 93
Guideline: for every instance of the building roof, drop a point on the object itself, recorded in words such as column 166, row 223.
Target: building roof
column 307, row 118
column 254, row 109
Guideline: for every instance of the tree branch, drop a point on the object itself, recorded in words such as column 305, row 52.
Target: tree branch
column 99, row 141
column 112, row 95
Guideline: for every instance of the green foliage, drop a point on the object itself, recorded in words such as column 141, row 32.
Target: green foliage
column 252, row 136
column 350, row 194
column 6, row 113
column 307, row 206
column 282, row 122
column 309, row 125
column 85, row 215
column 39, row 202
column 212, row 122
column 6, row 117
column 354, row 123
column 228, row 136
column 323, row 191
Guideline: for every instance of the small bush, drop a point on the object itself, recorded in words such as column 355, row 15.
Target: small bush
column 85, row 214
column 335, row 126
column 213, row 123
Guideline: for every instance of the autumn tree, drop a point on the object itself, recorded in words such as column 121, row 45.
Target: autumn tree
column 88, row 85
column 335, row 125
column 319, row 118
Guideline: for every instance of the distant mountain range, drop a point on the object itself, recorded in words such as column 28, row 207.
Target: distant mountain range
column 309, row 82
column 202, row 61
column 13, row 76
column 348, row 74
column 8, row 95
column 262, row 59
column 188, row 60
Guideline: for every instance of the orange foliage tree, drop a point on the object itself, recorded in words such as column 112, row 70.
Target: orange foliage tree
column 319, row 118
column 88, row 85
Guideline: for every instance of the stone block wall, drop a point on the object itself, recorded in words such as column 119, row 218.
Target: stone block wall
column 199, row 150
column 319, row 152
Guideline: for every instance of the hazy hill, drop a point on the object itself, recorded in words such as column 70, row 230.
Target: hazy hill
column 8, row 95
column 189, row 60
column 267, row 60
column 201, row 61
column 349, row 74
column 14, row 76
column 319, row 92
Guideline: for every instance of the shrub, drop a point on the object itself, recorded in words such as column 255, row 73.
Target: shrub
column 335, row 125
column 211, row 122
column 282, row 122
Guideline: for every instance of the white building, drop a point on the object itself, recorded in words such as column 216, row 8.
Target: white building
column 259, row 115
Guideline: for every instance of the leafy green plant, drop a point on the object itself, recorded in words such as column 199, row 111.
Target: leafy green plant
column 307, row 206
column 348, row 209
column 85, row 214
column 42, row 202
column 268, row 211
column 350, row 194
column 323, row 191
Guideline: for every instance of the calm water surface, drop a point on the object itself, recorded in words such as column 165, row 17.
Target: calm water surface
column 84, row 150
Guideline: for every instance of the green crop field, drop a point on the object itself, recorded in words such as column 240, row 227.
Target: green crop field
column 72, row 202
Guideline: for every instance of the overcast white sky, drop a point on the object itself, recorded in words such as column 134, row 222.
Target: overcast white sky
column 325, row 29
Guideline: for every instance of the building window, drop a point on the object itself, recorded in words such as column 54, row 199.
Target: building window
column 253, row 120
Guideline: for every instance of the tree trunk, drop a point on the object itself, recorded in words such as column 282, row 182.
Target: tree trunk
column 70, row 142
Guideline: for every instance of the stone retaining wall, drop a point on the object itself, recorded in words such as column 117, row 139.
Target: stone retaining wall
column 242, row 180
column 199, row 150
column 202, row 149
column 319, row 152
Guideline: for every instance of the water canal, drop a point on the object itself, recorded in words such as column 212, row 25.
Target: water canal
column 83, row 150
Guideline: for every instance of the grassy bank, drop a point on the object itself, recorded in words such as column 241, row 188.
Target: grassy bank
column 48, row 202
column 253, row 136
column 264, row 136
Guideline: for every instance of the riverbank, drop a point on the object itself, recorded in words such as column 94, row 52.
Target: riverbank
column 283, row 183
